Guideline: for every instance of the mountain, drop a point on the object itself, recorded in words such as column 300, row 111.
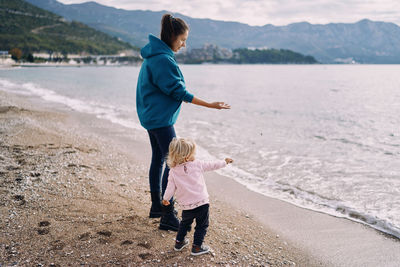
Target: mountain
column 31, row 29
column 365, row 41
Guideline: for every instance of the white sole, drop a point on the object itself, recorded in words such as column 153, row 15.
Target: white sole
column 184, row 246
column 200, row 253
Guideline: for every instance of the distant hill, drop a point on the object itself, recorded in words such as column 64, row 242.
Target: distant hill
column 365, row 41
column 32, row 29
column 214, row 54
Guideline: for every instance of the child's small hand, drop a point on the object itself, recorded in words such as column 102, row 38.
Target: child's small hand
column 228, row 160
column 165, row 202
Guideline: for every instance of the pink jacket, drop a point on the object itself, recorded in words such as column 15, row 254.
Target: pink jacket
column 186, row 181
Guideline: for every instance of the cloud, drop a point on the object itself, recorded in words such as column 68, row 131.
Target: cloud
column 277, row 12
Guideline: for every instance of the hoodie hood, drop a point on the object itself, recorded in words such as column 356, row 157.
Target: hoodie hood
column 155, row 47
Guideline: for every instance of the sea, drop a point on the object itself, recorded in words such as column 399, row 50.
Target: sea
column 322, row 137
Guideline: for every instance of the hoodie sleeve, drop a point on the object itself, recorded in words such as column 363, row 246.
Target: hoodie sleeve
column 170, row 190
column 169, row 79
column 212, row 165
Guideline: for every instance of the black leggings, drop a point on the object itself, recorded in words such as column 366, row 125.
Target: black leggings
column 159, row 140
column 201, row 215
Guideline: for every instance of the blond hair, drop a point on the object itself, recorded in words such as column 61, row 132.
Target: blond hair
column 180, row 151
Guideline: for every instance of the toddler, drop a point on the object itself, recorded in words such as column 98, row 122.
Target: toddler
column 186, row 181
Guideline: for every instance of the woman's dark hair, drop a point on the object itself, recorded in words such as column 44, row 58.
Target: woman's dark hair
column 171, row 28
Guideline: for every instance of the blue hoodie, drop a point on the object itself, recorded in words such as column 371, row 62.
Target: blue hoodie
column 161, row 86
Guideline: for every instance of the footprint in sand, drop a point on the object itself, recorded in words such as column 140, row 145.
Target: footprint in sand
column 104, row 233
column 126, row 242
column 44, row 223
column 35, row 174
column 20, row 198
column 145, row 245
column 19, row 178
column 145, row 256
column 43, row 231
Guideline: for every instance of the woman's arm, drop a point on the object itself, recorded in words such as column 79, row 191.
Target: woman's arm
column 216, row 105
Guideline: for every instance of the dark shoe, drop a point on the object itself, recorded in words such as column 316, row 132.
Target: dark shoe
column 156, row 208
column 179, row 245
column 169, row 221
column 199, row 250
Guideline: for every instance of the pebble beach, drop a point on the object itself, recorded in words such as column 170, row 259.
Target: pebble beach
column 71, row 195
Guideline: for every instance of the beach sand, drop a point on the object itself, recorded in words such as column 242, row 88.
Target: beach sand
column 74, row 191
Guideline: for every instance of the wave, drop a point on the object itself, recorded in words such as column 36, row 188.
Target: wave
column 100, row 110
column 362, row 145
column 308, row 200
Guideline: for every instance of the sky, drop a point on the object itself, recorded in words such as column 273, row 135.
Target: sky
column 276, row 12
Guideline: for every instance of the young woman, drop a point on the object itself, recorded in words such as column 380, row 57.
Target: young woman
column 160, row 92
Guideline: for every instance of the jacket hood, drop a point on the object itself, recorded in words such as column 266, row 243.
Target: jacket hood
column 155, row 47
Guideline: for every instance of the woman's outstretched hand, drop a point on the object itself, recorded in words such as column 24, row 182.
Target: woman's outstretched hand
column 216, row 105
column 220, row 105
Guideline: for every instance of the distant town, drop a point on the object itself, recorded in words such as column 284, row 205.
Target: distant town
column 15, row 58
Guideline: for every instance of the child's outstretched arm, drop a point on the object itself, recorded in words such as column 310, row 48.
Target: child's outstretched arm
column 216, row 105
column 169, row 191
column 215, row 165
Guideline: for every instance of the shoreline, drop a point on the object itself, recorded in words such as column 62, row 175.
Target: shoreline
column 308, row 244
column 331, row 240
column 351, row 215
column 38, row 65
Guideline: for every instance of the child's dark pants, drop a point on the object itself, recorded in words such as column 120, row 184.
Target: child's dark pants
column 201, row 215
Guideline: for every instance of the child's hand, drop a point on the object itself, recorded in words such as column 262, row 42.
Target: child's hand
column 228, row 160
column 165, row 202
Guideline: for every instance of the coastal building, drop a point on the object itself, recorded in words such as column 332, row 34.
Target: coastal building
column 41, row 55
column 4, row 54
column 48, row 55
column 5, row 58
